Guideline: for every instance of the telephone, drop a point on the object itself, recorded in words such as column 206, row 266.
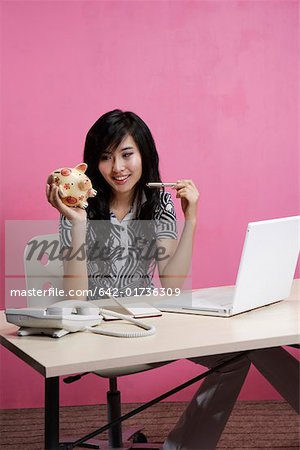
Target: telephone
column 69, row 316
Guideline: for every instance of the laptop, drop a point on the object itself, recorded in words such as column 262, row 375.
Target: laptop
column 265, row 274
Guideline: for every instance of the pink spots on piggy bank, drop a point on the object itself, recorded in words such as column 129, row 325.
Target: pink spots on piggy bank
column 71, row 200
column 74, row 186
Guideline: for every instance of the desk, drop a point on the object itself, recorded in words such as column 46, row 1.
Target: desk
column 273, row 325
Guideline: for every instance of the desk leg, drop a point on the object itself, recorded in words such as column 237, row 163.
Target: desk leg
column 52, row 413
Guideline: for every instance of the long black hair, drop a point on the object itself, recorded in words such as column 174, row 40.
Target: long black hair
column 105, row 136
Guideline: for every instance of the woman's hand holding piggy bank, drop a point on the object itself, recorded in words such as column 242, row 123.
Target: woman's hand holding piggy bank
column 74, row 187
column 67, row 188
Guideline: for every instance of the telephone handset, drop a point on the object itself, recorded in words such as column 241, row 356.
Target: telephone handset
column 70, row 316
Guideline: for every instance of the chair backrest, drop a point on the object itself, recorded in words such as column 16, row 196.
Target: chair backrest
column 43, row 270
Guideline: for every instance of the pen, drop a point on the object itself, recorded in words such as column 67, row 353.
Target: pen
column 160, row 185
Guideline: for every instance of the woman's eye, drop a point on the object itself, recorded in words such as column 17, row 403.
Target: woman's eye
column 126, row 155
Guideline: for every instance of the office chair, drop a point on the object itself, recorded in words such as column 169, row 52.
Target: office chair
column 42, row 272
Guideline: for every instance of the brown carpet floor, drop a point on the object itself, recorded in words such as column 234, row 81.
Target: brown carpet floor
column 252, row 425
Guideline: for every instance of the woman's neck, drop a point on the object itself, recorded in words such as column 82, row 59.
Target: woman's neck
column 122, row 201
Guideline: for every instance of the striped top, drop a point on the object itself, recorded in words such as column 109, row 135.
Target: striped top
column 122, row 255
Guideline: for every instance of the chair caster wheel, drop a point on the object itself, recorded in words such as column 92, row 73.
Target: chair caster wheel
column 139, row 438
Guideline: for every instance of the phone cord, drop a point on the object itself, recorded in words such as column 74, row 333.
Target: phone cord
column 149, row 329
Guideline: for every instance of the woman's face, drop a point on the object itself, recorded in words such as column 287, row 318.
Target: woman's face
column 122, row 168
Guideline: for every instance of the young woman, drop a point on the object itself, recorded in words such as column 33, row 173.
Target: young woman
column 122, row 157
column 121, row 221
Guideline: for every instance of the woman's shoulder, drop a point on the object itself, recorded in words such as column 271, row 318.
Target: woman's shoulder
column 166, row 205
column 166, row 199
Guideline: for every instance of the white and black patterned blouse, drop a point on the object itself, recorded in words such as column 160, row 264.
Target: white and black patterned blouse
column 123, row 255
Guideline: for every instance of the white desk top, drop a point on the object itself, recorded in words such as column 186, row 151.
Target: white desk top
column 178, row 336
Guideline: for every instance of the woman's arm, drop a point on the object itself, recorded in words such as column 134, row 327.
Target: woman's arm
column 75, row 267
column 74, row 256
column 174, row 269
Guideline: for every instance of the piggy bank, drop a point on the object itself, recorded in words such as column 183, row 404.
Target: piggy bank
column 74, row 186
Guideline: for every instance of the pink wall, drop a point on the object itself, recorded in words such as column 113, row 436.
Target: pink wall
column 217, row 83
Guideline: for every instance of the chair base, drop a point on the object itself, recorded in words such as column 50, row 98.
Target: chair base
column 128, row 444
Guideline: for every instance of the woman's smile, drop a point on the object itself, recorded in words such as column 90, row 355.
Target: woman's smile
column 121, row 179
